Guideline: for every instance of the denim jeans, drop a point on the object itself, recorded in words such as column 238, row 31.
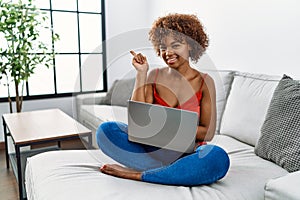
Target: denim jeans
column 207, row 164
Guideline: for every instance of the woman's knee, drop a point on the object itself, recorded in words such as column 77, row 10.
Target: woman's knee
column 222, row 161
column 217, row 157
column 109, row 127
column 103, row 132
column 107, row 131
column 103, row 128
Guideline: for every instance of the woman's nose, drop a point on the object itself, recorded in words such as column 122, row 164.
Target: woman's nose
column 169, row 51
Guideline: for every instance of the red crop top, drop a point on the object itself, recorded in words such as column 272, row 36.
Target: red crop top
column 192, row 104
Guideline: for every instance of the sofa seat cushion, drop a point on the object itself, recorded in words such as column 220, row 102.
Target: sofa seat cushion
column 94, row 115
column 75, row 175
column 284, row 187
column 247, row 105
column 247, row 174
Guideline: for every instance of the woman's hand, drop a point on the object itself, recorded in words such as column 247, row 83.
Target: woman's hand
column 139, row 62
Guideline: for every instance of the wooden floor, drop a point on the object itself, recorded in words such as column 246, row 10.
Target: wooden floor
column 8, row 183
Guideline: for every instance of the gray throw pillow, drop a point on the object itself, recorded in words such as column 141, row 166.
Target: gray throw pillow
column 119, row 93
column 280, row 134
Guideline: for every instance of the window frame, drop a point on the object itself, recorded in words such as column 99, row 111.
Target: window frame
column 27, row 96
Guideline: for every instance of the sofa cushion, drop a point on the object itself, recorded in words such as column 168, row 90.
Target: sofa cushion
column 119, row 93
column 284, row 187
column 280, row 134
column 93, row 115
column 75, row 175
column 247, row 105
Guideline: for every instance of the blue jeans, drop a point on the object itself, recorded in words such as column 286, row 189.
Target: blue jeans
column 206, row 165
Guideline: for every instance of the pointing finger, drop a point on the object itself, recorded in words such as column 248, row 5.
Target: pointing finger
column 133, row 53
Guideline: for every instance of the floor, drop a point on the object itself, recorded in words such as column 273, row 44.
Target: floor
column 8, row 184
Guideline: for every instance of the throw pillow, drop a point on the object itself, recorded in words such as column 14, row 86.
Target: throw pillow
column 119, row 93
column 280, row 134
column 247, row 105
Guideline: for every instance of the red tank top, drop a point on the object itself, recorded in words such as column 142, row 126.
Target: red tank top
column 192, row 104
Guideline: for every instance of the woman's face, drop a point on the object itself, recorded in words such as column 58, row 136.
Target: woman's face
column 175, row 53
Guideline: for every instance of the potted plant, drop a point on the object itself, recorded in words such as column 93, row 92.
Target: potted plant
column 21, row 46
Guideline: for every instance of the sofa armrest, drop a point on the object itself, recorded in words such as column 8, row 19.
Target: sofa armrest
column 285, row 187
column 89, row 99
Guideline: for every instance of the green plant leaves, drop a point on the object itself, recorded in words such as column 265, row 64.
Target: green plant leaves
column 20, row 25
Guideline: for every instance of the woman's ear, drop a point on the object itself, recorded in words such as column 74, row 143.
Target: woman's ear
column 189, row 47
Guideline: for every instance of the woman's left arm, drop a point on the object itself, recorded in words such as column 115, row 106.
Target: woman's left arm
column 207, row 122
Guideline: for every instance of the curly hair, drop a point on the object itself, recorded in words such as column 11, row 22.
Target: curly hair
column 182, row 27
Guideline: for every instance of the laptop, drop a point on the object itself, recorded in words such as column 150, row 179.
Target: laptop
column 163, row 127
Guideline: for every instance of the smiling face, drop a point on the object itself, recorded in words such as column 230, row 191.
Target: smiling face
column 175, row 53
column 183, row 26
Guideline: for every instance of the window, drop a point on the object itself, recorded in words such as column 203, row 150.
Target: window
column 80, row 60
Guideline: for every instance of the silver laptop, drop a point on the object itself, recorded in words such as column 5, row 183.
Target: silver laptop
column 163, row 127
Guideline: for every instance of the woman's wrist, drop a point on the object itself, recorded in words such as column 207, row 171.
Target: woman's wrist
column 141, row 74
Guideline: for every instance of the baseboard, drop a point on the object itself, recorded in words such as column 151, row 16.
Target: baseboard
column 2, row 145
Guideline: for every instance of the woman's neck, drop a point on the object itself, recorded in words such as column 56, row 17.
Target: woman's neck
column 180, row 72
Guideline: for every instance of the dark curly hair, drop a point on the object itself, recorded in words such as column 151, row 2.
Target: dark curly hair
column 182, row 27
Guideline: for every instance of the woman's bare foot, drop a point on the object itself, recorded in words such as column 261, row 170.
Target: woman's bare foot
column 121, row 172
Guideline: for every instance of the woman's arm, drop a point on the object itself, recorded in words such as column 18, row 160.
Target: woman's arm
column 207, row 125
column 143, row 88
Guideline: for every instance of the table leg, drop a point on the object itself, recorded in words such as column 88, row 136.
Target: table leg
column 6, row 144
column 90, row 141
column 19, row 169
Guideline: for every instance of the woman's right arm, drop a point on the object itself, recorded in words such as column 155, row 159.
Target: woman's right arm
column 143, row 84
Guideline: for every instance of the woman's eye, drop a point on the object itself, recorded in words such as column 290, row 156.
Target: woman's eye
column 175, row 46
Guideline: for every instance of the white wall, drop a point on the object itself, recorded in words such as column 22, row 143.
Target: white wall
column 249, row 35
column 261, row 36
column 127, row 24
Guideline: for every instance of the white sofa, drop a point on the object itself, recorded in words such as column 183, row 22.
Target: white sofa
column 242, row 105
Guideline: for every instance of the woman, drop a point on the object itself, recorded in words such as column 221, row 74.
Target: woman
column 177, row 38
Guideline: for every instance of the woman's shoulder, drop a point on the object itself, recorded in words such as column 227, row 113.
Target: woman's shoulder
column 204, row 79
column 153, row 72
column 160, row 69
column 199, row 76
column 207, row 83
column 156, row 71
column 204, row 76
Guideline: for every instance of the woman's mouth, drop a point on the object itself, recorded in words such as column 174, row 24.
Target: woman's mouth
column 171, row 60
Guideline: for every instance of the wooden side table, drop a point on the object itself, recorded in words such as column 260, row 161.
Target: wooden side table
column 38, row 127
